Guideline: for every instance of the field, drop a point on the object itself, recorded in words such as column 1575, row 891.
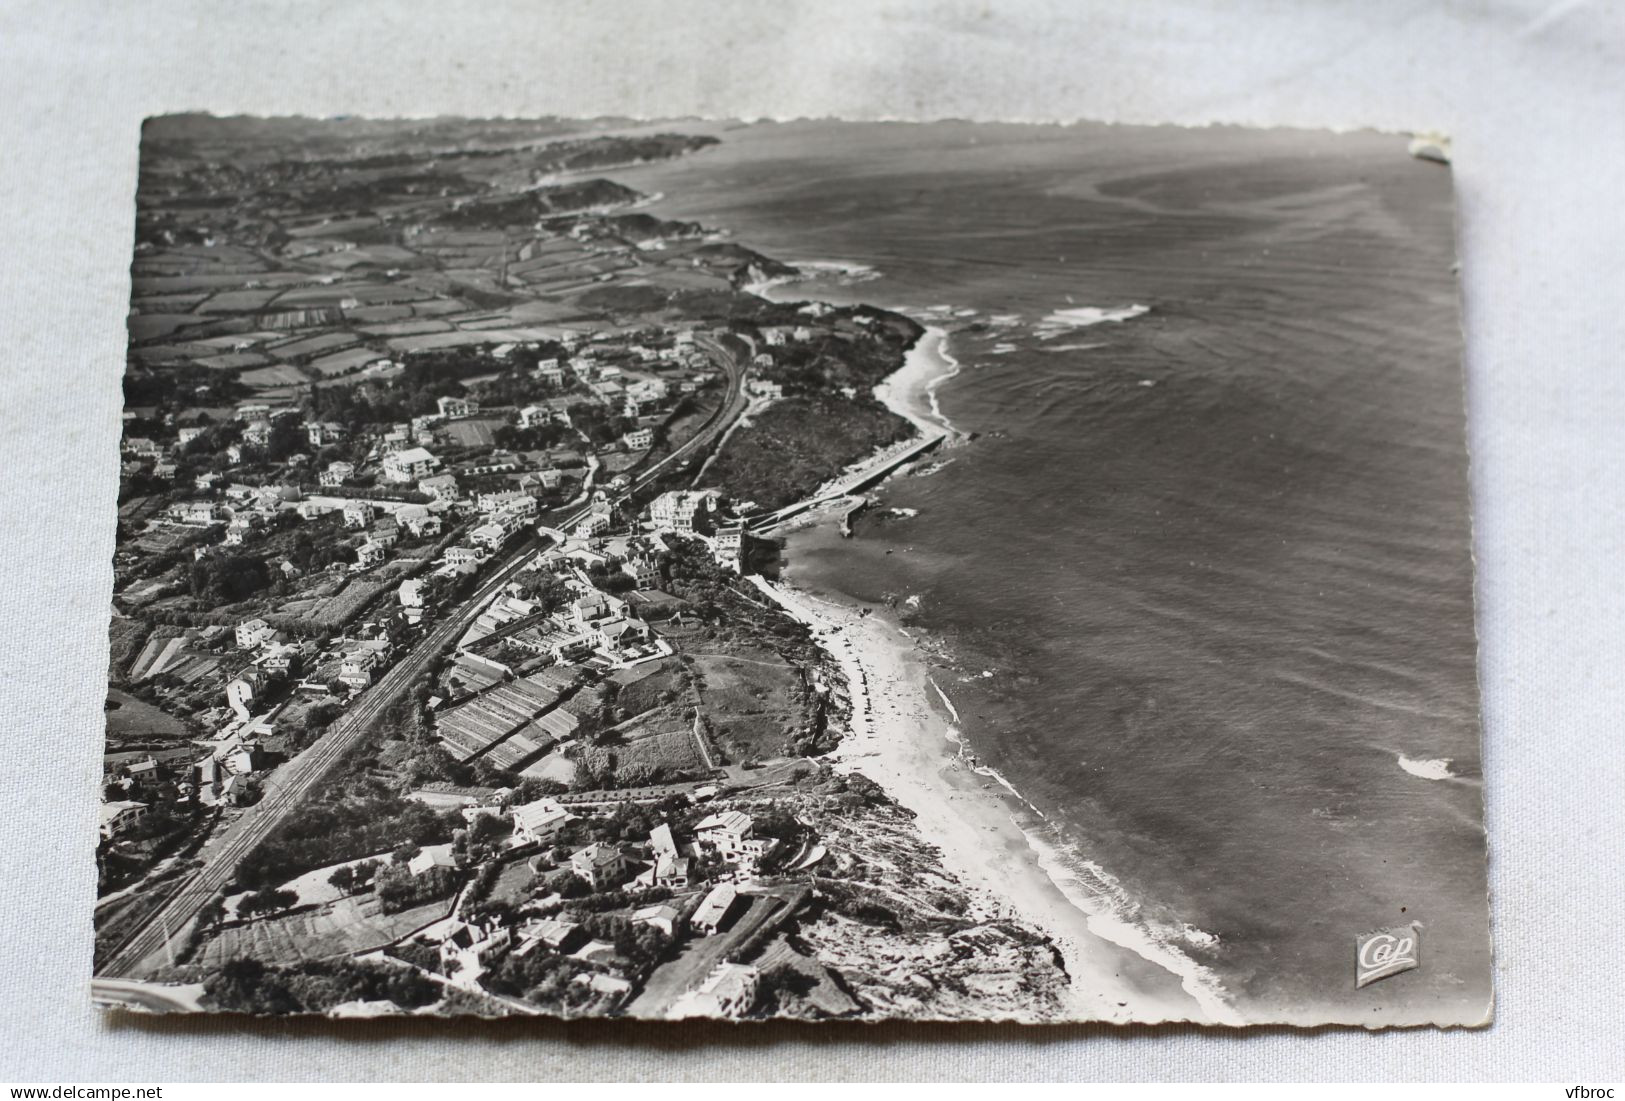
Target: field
column 648, row 756
column 279, row 375
column 513, row 885
column 430, row 341
column 751, row 699
column 641, row 688
column 230, row 361
column 334, row 228
column 132, row 719
column 237, row 301
column 343, row 362
column 164, row 538
column 331, row 611
column 473, row 432
column 151, row 326
column 346, row 926
column 143, row 285
column 312, row 345
column 407, row 327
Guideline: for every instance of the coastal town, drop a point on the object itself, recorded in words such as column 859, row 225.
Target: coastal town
column 447, row 669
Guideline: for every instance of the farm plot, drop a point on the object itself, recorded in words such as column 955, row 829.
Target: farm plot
column 648, row 756
column 281, row 374
column 240, row 301
column 752, row 700
column 232, row 361
column 169, row 353
column 129, row 718
column 646, row 687
column 747, row 682
column 345, row 926
column 371, row 314
column 474, row 431
column 438, row 307
column 340, row 363
column 413, row 327
column 151, row 326
column 314, row 345
column 513, row 885
column 378, row 255
column 534, row 310
column 177, row 304
column 430, row 341
column 337, row 610
column 367, row 294
column 143, row 285
column 335, row 229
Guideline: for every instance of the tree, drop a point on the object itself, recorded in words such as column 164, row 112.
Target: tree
column 268, row 901
column 780, row 987
column 571, row 885
column 343, row 879
column 212, row 913
column 227, row 578
column 364, row 872
column 286, row 438
column 242, row 984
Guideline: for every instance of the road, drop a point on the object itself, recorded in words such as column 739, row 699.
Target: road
column 166, row 927
column 151, row 997
column 288, row 786
column 696, row 959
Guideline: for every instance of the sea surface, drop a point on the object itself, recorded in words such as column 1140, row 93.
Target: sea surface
column 1202, row 578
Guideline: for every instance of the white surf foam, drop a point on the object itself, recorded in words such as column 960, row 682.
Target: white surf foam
column 1080, row 317
column 1437, row 768
column 1107, row 905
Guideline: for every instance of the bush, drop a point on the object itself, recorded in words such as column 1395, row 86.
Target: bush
column 268, row 901
column 247, row 985
column 399, row 889
column 331, row 833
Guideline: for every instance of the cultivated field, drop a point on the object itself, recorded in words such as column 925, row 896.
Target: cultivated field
column 346, row 926
column 336, row 610
column 750, row 698
column 130, row 719
column 473, row 432
column 280, row 375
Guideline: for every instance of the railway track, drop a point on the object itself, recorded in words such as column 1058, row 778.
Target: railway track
column 155, row 936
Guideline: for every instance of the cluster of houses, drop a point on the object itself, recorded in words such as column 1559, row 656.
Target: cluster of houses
column 235, row 752
column 641, row 375
column 700, row 513
column 724, row 842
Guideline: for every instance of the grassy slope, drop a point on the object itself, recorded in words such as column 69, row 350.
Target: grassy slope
column 798, row 444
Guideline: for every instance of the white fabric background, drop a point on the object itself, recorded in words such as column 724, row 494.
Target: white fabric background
column 1535, row 96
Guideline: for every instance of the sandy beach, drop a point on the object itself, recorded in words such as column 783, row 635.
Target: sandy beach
column 903, row 738
column 911, row 390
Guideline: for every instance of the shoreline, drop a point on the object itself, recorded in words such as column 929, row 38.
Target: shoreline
column 989, row 834
column 901, row 736
column 911, row 392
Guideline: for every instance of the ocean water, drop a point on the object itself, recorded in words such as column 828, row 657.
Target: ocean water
column 1202, row 580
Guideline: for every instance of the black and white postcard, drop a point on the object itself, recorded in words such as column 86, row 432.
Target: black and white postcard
column 809, row 570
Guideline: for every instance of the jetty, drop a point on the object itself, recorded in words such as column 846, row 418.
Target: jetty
column 854, row 506
column 852, row 483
